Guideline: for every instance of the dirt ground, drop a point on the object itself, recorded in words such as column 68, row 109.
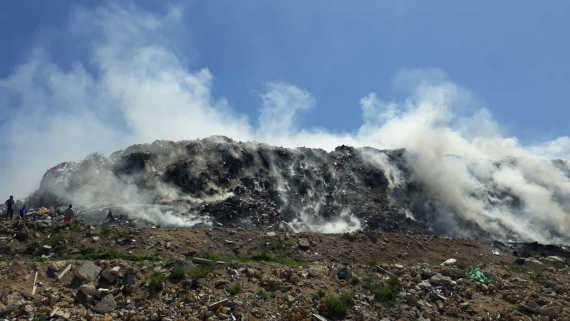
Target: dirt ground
column 233, row 274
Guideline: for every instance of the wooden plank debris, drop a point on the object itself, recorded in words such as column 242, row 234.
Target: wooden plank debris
column 319, row 317
column 64, row 272
column 34, row 287
column 217, row 304
column 383, row 270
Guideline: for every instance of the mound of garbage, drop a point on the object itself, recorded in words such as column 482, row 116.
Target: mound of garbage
column 220, row 182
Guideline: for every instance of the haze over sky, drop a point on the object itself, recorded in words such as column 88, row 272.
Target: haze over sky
column 75, row 77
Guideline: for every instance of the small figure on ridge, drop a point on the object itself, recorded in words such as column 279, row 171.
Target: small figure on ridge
column 68, row 214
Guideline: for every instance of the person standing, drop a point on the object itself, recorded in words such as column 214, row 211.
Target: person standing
column 10, row 204
column 23, row 212
column 68, row 214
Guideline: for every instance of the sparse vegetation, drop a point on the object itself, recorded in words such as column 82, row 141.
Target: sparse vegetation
column 106, row 230
column 234, row 288
column 262, row 294
column 156, row 281
column 267, row 257
column 276, row 245
column 177, row 274
column 90, row 253
column 55, row 240
column 201, row 271
column 387, row 292
column 337, row 306
column 354, row 281
column 263, row 256
column 535, row 271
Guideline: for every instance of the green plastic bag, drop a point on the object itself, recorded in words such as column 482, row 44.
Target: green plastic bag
column 477, row 275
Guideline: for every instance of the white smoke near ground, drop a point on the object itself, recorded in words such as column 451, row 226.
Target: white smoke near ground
column 136, row 89
column 345, row 222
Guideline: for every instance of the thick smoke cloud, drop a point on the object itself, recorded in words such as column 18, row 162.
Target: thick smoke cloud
column 136, row 89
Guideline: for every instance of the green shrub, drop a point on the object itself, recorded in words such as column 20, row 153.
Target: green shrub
column 201, row 271
column 55, row 240
column 106, row 230
column 156, row 281
column 268, row 257
column 177, row 274
column 321, row 293
column 276, row 245
column 337, row 306
column 354, row 280
column 387, row 292
column 234, row 289
column 262, row 294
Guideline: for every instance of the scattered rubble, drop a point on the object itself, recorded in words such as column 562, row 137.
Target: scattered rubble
column 268, row 276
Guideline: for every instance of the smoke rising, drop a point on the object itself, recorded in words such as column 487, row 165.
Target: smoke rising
column 137, row 89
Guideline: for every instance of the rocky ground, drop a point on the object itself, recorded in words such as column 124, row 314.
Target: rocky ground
column 52, row 271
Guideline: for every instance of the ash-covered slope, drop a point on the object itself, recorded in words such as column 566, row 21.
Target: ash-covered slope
column 251, row 185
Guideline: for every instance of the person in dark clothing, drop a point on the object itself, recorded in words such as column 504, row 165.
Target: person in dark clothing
column 68, row 214
column 10, row 204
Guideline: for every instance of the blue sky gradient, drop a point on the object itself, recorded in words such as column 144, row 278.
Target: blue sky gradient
column 511, row 58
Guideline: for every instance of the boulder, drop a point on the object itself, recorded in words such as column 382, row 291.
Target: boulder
column 106, row 305
column 304, row 244
column 441, row 280
column 86, row 293
column 88, row 271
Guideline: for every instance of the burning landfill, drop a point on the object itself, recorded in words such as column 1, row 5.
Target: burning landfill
column 215, row 229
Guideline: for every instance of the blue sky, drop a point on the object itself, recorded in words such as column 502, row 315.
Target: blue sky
column 88, row 71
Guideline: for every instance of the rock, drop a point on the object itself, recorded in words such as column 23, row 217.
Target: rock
column 88, row 289
column 453, row 273
column 86, row 293
column 304, row 244
column 529, row 307
column 58, row 265
column 528, row 261
column 441, row 280
column 14, row 299
column 251, row 272
column 221, row 283
column 556, row 261
column 424, row 284
column 548, row 283
column 426, row 273
column 298, row 314
column 88, row 271
column 316, row 270
column 270, row 283
column 109, row 276
column 62, row 314
column 106, row 305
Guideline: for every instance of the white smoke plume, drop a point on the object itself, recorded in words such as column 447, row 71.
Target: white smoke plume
column 137, row 89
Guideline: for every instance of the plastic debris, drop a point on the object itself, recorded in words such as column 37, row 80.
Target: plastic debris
column 449, row 262
column 477, row 275
column 496, row 252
